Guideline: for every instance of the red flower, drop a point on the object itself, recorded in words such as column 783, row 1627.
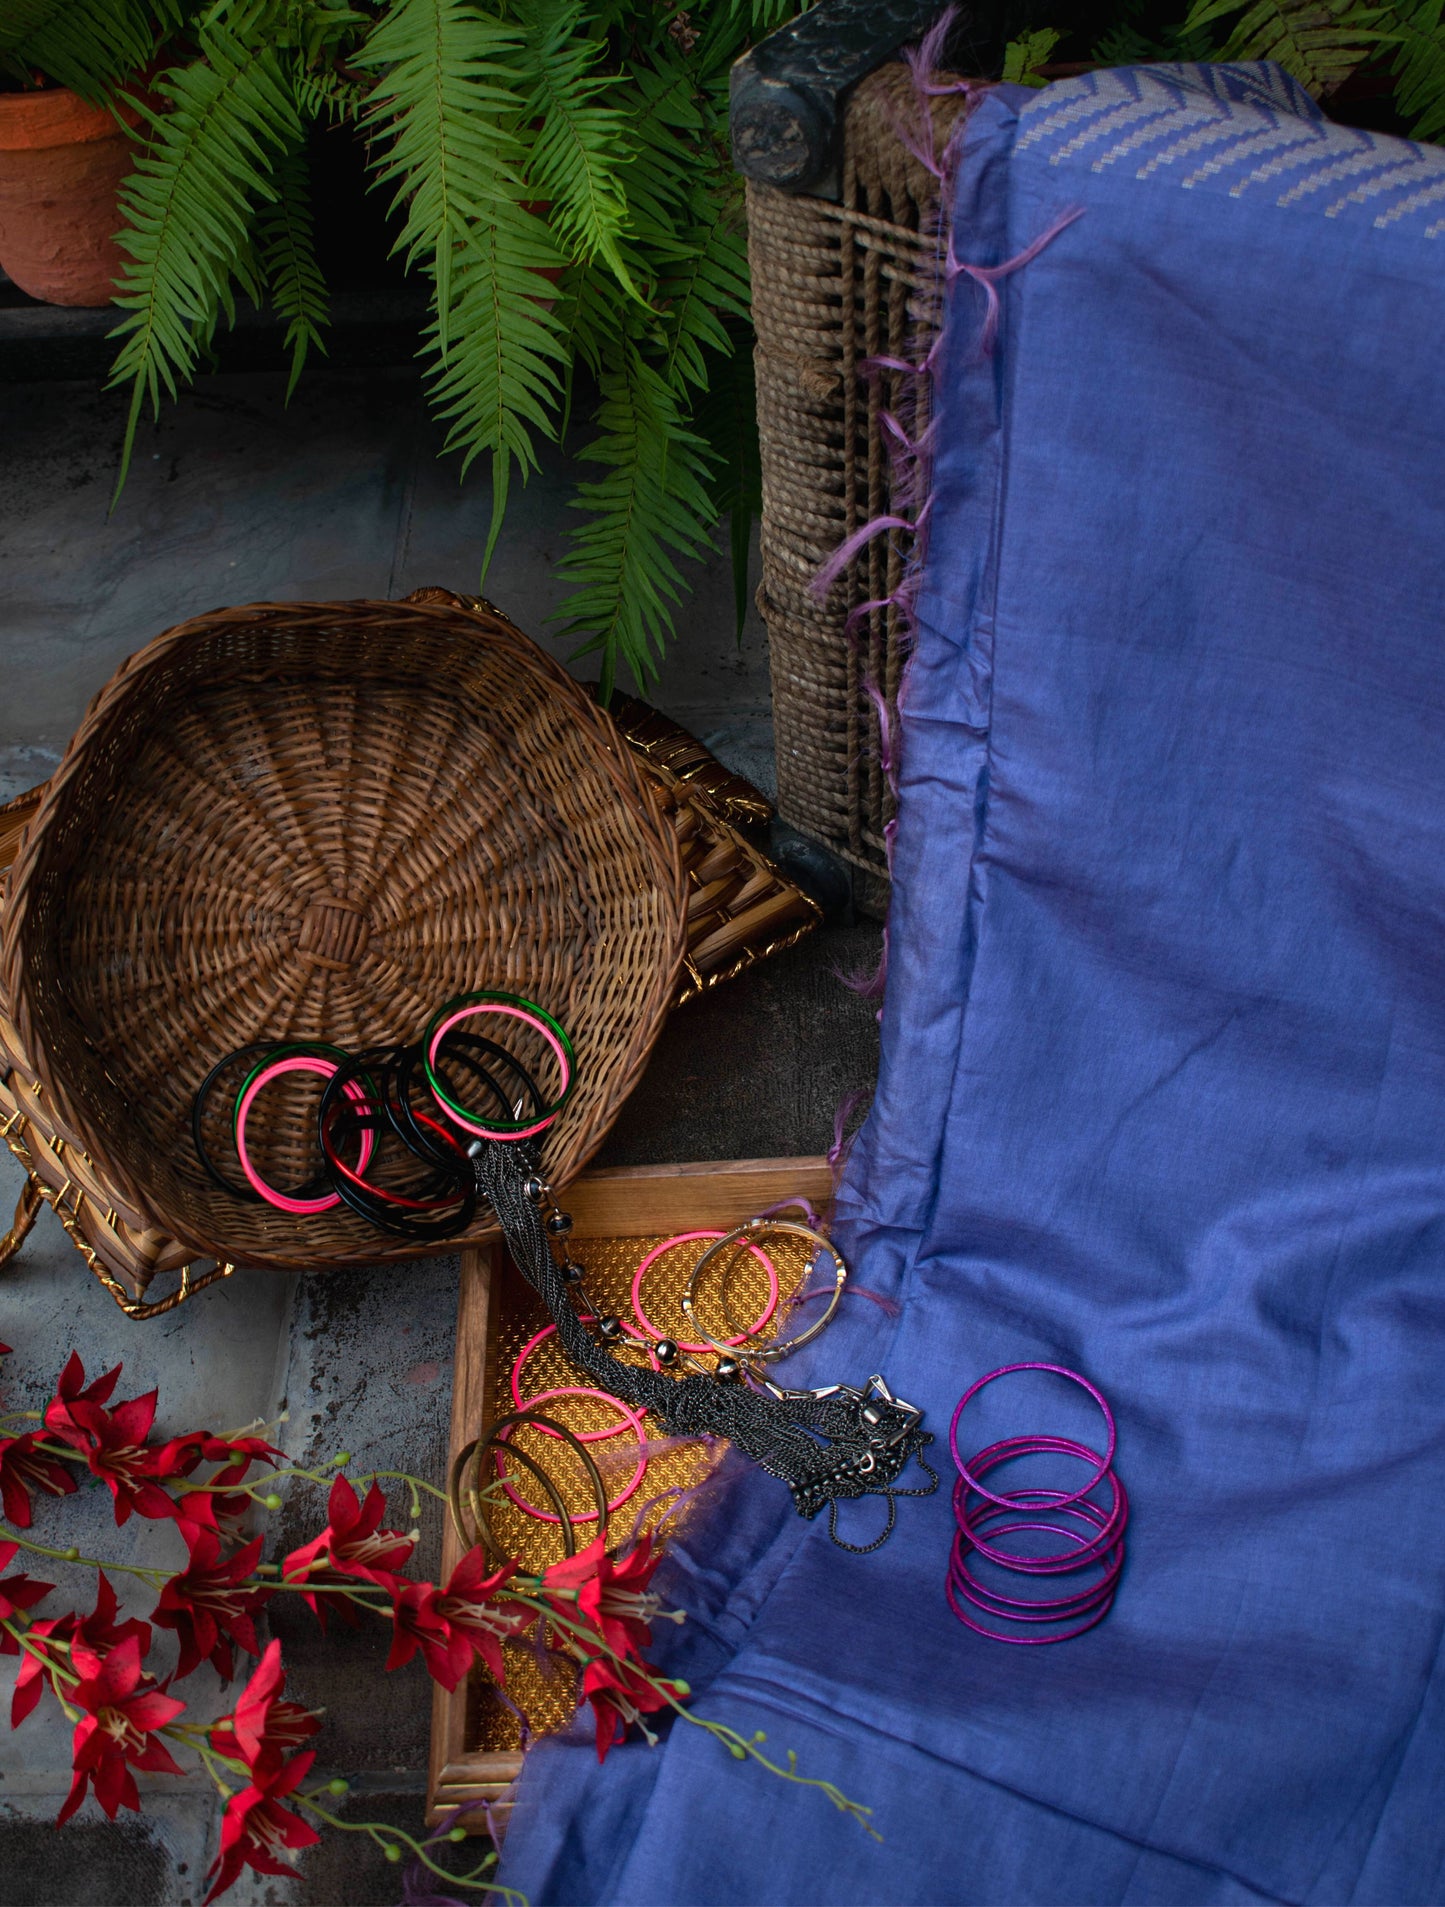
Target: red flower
column 123, row 1709
column 352, row 1545
column 71, row 1391
column 468, row 1604
column 180, row 1456
column 99, row 1632
column 613, row 1599
column 622, row 1693
column 17, row 1595
column 207, row 1607
column 223, row 1512
column 255, row 1827
column 23, row 1468
column 611, row 1595
column 263, row 1729
column 113, row 1443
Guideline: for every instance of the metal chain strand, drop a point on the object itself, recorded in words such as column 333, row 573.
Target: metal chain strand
column 826, row 1444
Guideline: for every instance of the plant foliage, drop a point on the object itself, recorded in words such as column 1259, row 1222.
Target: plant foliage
column 559, row 175
column 560, row 178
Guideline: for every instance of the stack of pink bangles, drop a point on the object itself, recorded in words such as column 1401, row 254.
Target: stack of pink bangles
column 395, row 1127
column 985, row 1559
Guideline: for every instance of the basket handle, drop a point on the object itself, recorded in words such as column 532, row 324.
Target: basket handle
column 785, row 102
column 27, row 1210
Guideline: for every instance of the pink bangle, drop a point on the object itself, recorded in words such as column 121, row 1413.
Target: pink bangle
column 511, row 1013
column 582, row 1436
column 323, row 1069
column 687, row 1238
column 632, row 1420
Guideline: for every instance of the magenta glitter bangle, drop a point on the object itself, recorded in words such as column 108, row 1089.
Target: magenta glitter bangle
column 1038, row 1498
column 1110, row 1531
column 687, row 1238
column 508, row 1012
column 1007, row 1370
column 1111, row 1562
column 1024, row 1642
column 323, row 1069
column 632, row 1420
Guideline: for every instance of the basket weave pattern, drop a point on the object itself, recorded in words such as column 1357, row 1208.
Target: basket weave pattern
column 834, row 285
column 320, row 821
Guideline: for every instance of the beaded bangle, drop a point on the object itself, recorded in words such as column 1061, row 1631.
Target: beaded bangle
column 772, row 1352
column 686, row 1238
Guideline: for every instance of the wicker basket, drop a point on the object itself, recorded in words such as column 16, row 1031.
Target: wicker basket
column 834, row 284
column 320, row 820
column 740, row 909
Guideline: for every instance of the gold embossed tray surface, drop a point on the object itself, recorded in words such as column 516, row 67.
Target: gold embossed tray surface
column 619, row 1216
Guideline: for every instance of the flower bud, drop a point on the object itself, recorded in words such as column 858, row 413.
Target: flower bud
column 342, row 1456
column 272, row 1502
column 338, row 1786
column 456, row 1834
column 392, row 1851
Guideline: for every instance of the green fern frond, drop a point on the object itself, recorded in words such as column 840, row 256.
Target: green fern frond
column 323, row 93
column 648, row 511
column 1023, row 58
column 581, row 148
column 1419, row 67
column 287, row 252
column 87, row 45
column 450, row 95
column 447, row 106
column 188, row 210
column 1320, row 42
column 707, row 286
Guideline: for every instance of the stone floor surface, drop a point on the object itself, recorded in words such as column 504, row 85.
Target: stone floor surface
column 234, row 498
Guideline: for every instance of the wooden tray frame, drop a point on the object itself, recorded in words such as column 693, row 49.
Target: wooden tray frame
column 620, row 1202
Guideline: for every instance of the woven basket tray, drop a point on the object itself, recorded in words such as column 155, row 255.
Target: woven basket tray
column 740, row 908
column 320, row 821
column 833, row 285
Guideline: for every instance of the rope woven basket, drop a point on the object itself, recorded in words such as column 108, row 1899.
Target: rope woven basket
column 834, row 285
column 319, row 821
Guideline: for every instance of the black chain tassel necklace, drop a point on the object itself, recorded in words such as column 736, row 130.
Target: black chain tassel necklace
column 826, row 1444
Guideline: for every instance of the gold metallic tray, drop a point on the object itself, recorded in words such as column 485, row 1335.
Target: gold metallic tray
column 618, row 1216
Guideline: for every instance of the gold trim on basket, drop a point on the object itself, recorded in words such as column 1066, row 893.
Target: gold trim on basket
column 36, row 1192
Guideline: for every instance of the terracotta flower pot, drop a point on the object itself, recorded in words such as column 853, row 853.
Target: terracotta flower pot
column 61, row 165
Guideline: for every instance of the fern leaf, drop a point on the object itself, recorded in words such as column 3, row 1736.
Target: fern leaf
column 649, row 510
column 581, row 147
column 1419, row 67
column 450, row 95
column 707, row 286
column 88, row 45
column 288, row 259
column 1023, row 58
column 1320, row 42
column 188, row 209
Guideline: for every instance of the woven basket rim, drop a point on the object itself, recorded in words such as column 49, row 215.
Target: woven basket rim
column 147, row 667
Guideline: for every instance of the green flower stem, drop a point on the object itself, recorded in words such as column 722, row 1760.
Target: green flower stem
column 156, row 1577
column 385, row 1835
column 41, row 1652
